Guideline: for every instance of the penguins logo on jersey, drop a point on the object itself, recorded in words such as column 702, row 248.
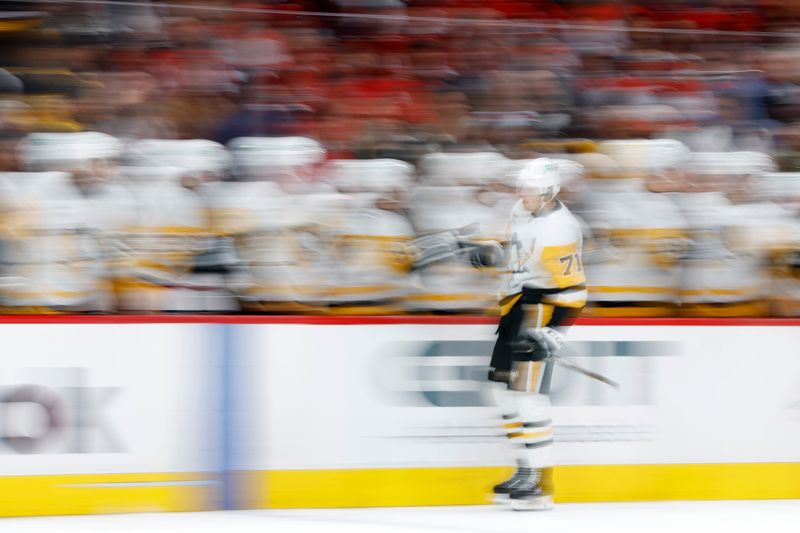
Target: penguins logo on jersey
column 519, row 256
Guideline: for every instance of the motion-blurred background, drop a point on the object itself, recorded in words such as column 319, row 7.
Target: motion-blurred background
column 278, row 156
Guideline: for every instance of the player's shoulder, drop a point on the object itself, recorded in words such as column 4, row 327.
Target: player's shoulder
column 561, row 226
column 562, row 216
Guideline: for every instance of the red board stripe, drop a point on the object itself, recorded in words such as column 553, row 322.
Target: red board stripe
column 361, row 320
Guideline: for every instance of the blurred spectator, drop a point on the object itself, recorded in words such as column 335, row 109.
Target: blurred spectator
column 126, row 105
column 452, row 113
column 262, row 111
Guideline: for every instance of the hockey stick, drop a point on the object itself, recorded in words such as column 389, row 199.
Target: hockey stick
column 588, row 373
column 524, row 347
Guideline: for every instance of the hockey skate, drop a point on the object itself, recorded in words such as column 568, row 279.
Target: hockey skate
column 533, row 493
column 502, row 491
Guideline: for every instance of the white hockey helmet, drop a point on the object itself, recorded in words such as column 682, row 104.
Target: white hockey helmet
column 257, row 157
column 192, row 155
column 63, row 151
column 645, row 155
column 370, row 175
column 569, row 171
column 468, row 168
column 542, row 176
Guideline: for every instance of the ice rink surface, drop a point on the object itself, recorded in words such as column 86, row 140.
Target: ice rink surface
column 674, row 517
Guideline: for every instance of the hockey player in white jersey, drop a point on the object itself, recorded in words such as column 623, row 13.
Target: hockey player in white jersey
column 281, row 219
column 46, row 250
column 372, row 247
column 724, row 272
column 782, row 189
column 67, row 262
column 451, row 207
column 638, row 235
column 172, row 257
column 544, row 290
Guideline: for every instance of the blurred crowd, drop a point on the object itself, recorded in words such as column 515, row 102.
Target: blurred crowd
column 278, row 156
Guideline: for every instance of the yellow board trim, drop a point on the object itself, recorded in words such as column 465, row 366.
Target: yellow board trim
column 725, row 481
column 380, row 487
column 71, row 494
column 385, row 487
column 388, row 487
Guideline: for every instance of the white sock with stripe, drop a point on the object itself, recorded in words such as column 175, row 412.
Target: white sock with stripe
column 535, row 438
column 527, row 425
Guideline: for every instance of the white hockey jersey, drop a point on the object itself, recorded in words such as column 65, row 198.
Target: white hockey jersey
column 717, row 271
column 457, row 196
column 454, row 284
column 50, row 259
column 783, row 190
column 160, row 246
column 638, row 240
column 283, row 241
column 544, row 252
column 374, row 256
